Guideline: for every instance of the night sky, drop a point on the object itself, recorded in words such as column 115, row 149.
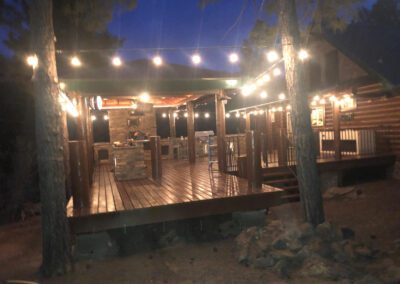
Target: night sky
column 180, row 24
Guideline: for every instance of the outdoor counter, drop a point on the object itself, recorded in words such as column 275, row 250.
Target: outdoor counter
column 129, row 161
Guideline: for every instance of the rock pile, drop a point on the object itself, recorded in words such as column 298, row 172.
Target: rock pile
column 299, row 250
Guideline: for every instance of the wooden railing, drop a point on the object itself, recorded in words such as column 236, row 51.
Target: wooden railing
column 354, row 142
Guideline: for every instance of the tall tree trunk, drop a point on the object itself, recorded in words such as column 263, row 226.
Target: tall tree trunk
column 307, row 172
column 49, row 143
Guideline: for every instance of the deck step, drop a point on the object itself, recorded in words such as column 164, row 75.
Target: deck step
column 282, row 181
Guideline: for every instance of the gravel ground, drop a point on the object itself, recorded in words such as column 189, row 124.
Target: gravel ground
column 374, row 216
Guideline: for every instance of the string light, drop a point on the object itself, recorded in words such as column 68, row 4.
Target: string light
column 32, row 61
column 228, row 115
column 231, row 83
column 105, row 117
column 196, row 59
column 233, row 57
column 333, row 98
column 272, row 56
column 322, row 101
column 75, row 61
column 314, row 103
column 164, row 115
column 281, row 96
column 237, row 115
column 93, row 117
column 157, row 60
column 288, row 107
column 62, row 85
column 244, row 115
column 144, row 97
column 303, row 54
column 206, row 115
column 273, row 109
column 175, row 114
column 261, row 111
column 185, row 114
column 116, row 61
column 276, row 72
column 266, row 78
column 248, row 89
column 280, row 108
column 316, row 98
column 263, row 95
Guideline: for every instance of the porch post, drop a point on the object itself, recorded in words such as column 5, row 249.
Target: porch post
column 282, row 146
column 269, row 132
column 156, row 165
column 81, row 151
column 89, row 139
column 253, row 160
column 190, row 133
column 220, row 124
column 172, row 128
column 336, row 130
column 248, row 122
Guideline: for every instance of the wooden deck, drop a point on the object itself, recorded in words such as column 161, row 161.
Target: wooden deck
column 185, row 191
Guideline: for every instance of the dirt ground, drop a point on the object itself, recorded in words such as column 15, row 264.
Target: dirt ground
column 374, row 216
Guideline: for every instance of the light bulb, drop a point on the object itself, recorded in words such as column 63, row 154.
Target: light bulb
column 32, row 61
column 233, row 57
column 228, row 115
column 281, row 96
column 272, row 56
column 144, row 97
column 75, row 61
column 303, row 54
column 157, row 60
column 196, row 59
column 263, row 95
column 116, row 61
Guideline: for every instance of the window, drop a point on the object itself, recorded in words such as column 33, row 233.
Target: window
column 347, row 103
column 331, row 68
column 317, row 116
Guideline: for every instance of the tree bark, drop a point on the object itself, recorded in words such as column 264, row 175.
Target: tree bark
column 307, row 172
column 49, row 141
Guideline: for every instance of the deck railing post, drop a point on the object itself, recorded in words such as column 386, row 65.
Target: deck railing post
column 253, row 159
column 336, row 130
column 79, row 175
column 156, row 165
column 221, row 130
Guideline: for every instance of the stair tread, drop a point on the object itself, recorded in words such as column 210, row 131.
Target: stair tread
column 281, row 180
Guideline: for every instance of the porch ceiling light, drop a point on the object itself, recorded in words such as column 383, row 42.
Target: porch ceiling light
column 144, row 97
column 228, row 115
column 206, row 115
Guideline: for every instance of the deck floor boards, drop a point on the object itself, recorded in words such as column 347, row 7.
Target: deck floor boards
column 184, row 191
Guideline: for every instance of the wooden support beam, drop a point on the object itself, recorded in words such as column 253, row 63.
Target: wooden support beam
column 269, row 133
column 190, row 133
column 336, row 130
column 79, row 177
column 221, row 130
column 172, row 127
column 156, row 162
column 89, row 140
column 248, row 123
column 283, row 143
column 253, row 160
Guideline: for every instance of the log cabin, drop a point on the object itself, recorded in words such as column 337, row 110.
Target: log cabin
column 137, row 178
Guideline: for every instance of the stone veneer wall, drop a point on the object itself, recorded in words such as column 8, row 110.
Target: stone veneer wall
column 118, row 123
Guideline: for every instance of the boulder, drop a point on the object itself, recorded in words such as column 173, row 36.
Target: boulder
column 322, row 268
column 328, row 232
column 279, row 244
column 243, row 243
column 264, row 262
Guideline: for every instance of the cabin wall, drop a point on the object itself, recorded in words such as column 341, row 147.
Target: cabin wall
column 380, row 112
column 122, row 121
